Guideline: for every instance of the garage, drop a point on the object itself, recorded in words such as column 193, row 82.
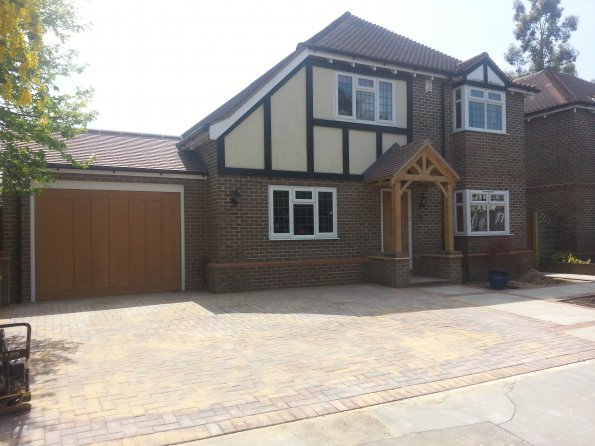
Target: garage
column 106, row 242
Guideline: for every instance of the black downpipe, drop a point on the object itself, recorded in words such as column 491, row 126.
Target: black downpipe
column 19, row 249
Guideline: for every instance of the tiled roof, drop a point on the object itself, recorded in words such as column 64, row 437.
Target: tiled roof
column 129, row 151
column 466, row 64
column 557, row 90
column 392, row 160
column 356, row 37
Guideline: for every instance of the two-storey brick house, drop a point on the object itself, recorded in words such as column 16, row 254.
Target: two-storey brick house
column 361, row 156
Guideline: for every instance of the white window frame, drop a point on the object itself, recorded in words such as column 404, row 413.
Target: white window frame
column 468, row 202
column 376, row 90
column 466, row 97
column 292, row 200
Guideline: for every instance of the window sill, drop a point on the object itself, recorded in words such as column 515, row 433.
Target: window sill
column 304, row 237
column 495, row 132
column 362, row 121
column 494, row 234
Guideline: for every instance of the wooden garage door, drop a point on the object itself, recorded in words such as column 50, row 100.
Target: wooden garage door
column 101, row 243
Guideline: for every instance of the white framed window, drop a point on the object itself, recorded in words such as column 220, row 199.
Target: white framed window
column 481, row 212
column 365, row 99
column 479, row 109
column 297, row 212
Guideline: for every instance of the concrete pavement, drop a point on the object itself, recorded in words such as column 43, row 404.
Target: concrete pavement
column 554, row 407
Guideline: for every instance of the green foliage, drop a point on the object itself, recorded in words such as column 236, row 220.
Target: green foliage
column 34, row 112
column 567, row 257
column 543, row 37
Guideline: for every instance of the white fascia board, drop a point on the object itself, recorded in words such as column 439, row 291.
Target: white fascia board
column 101, row 185
column 217, row 129
column 520, row 90
column 558, row 110
column 126, row 173
column 371, row 63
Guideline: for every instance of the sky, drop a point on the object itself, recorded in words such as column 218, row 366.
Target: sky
column 159, row 66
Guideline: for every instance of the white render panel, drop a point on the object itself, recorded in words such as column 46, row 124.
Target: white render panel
column 388, row 139
column 328, row 150
column 493, row 78
column 476, row 75
column 323, row 88
column 288, row 125
column 244, row 146
column 362, row 151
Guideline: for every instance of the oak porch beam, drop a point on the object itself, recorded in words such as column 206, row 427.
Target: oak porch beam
column 449, row 241
column 396, row 197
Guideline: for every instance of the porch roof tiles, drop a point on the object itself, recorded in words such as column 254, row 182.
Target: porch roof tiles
column 392, row 161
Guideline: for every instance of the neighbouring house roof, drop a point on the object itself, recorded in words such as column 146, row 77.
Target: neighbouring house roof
column 129, row 152
column 557, row 90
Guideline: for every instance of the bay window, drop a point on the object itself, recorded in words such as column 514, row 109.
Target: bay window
column 481, row 212
column 479, row 109
column 302, row 212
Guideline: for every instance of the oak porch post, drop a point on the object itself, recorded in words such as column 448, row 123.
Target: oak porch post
column 397, row 217
column 449, row 242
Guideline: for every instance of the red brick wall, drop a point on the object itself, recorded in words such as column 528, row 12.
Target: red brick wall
column 561, row 174
column 195, row 216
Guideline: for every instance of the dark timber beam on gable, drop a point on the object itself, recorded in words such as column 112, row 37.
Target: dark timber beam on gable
column 268, row 151
column 309, row 117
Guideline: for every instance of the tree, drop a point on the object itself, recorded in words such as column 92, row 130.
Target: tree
column 34, row 111
column 543, row 36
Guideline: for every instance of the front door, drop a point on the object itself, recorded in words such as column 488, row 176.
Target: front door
column 388, row 238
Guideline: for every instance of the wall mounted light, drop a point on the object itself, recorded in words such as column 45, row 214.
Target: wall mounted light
column 234, row 198
column 423, row 201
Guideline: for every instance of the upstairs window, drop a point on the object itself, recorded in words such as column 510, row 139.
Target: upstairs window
column 365, row 99
column 479, row 109
column 302, row 212
column 481, row 212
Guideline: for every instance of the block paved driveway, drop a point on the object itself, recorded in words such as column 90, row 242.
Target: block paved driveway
column 169, row 368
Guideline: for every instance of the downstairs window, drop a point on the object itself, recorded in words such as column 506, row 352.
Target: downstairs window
column 481, row 212
column 302, row 212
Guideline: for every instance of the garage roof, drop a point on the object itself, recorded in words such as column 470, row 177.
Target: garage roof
column 130, row 152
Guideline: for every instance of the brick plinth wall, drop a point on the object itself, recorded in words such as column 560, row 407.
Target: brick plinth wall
column 476, row 266
column 444, row 266
column 568, row 268
column 388, row 271
column 248, row 276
